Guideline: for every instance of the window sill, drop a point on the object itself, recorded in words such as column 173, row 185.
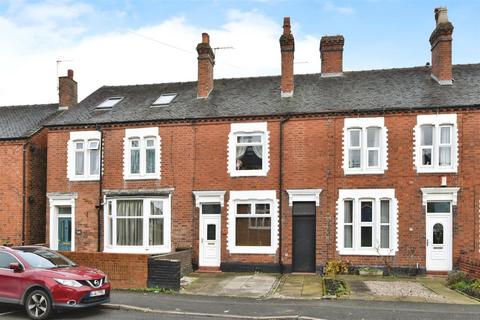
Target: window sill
column 143, row 177
column 91, row 178
column 252, row 250
column 248, row 173
column 436, row 170
column 367, row 252
column 146, row 250
column 363, row 172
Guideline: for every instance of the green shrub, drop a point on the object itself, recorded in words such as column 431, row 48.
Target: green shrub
column 335, row 267
column 455, row 277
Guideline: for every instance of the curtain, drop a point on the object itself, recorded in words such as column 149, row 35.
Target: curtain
column 150, row 160
column 79, row 159
column 135, row 161
column 129, row 222
column 156, row 232
column 258, row 151
column 445, row 156
column 445, row 135
column 94, row 161
column 373, row 137
column 241, row 151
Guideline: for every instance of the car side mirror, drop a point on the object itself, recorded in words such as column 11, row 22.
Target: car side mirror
column 15, row 266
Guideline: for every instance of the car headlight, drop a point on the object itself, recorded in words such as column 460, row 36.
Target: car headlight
column 106, row 279
column 69, row 283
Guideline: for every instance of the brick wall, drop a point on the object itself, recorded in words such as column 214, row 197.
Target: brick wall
column 194, row 157
column 124, row 270
column 470, row 265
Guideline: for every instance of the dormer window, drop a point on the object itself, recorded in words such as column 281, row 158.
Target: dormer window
column 109, row 103
column 164, row 99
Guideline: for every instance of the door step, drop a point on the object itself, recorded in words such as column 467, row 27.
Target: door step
column 208, row 270
column 437, row 273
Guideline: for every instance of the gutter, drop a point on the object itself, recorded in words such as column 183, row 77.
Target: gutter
column 24, row 191
column 99, row 206
column 280, row 188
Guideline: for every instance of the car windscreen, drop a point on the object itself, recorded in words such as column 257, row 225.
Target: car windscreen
column 45, row 259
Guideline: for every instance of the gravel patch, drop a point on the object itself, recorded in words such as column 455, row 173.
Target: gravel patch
column 400, row 289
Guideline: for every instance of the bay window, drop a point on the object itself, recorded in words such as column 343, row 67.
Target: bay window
column 142, row 154
column 137, row 225
column 436, row 143
column 84, row 156
column 365, row 149
column 367, row 222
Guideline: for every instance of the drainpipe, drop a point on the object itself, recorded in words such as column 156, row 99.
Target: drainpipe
column 280, row 187
column 99, row 206
column 24, row 190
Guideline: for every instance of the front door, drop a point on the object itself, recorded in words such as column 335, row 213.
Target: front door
column 303, row 237
column 64, row 233
column 210, row 240
column 439, row 236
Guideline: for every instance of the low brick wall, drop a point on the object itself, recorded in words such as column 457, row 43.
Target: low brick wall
column 166, row 270
column 470, row 265
column 125, row 271
column 185, row 258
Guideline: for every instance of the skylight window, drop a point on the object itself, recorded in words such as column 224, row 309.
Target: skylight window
column 109, row 103
column 164, row 99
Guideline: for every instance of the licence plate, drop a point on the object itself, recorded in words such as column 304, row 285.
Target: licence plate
column 97, row 293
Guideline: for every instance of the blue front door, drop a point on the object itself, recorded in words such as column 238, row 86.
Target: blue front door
column 64, row 234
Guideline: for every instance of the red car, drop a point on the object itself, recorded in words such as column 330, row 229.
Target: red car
column 43, row 280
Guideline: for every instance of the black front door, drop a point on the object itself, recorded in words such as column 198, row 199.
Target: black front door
column 303, row 237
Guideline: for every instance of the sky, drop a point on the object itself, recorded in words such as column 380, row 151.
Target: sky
column 129, row 42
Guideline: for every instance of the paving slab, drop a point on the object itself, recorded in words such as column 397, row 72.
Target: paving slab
column 292, row 286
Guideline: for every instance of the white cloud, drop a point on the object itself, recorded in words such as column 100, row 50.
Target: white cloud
column 330, row 6
column 127, row 57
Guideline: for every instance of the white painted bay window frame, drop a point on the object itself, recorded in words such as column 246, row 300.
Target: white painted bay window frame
column 362, row 125
column 110, row 226
column 90, row 140
column 252, row 197
column 247, row 129
column 437, row 121
column 143, row 136
column 357, row 196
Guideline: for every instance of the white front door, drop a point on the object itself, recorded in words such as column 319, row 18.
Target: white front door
column 439, row 236
column 210, row 239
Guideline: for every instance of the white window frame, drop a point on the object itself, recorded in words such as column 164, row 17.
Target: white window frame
column 142, row 134
column 362, row 124
column 85, row 137
column 358, row 196
column 243, row 129
column 56, row 200
column 252, row 197
column 437, row 121
column 145, row 248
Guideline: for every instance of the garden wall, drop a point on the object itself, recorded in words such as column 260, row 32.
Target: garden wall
column 470, row 265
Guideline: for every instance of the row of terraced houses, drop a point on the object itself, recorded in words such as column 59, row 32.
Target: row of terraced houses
column 280, row 173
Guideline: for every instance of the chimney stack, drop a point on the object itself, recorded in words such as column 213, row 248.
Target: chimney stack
column 331, row 53
column 67, row 91
column 441, row 42
column 206, row 61
column 287, row 48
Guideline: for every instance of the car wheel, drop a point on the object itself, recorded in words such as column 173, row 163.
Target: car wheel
column 38, row 305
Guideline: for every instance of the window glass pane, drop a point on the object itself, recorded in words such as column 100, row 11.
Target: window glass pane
column 385, row 211
column 150, row 160
column 438, row 233
column 249, row 157
column 135, row 143
column 211, row 232
column 354, row 158
column 135, row 161
column 426, row 135
column 438, row 207
column 79, row 145
column 110, row 231
column 385, row 237
column 348, row 211
column 262, row 208
column 445, row 135
column 354, row 138
column 156, row 208
column 373, row 158
column 150, row 143
column 445, row 156
column 129, row 208
column 129, row 232
column 156, row 232
column 253, row 232
column 211, row 209
column 366, row 211
column 249, row 139
column 6, row 259
column 94, row 162
column 426, row 157
column 366, row 236
column 93, row 144
column 243, row 208
column 64, row 210
column 373, row 137
column 79, row 163
column 348, row 236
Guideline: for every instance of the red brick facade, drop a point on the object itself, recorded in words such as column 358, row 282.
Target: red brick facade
column 194, row 157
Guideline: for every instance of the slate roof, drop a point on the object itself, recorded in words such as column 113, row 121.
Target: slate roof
column 22, row 121
column 389, row 89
